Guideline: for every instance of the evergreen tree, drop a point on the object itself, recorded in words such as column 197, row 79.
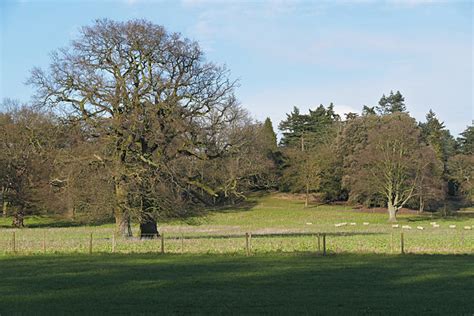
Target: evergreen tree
column 395, row 102
column 465, row 143
column 434, row 133
column 293, row 128
column 351, row 116
column 269, row 135
column 367, row 110
column 309, row 159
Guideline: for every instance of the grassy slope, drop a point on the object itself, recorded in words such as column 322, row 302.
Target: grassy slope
column 217, row 284
column 261, row 215
column 269, row 211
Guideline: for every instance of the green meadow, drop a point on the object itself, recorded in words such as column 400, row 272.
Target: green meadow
column 206, row 269
column 290, row 283
column 276, row 223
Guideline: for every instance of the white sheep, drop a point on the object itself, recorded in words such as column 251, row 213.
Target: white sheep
column 419, row 227
column 365, row 223
column 309, row 223
column 435, row 226
column 406, row 227
column 395, row 226
column 452, row 226
column 352, row 224
column 467, row 227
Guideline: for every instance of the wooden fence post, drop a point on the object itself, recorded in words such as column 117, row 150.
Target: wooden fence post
column 182, row 243
column 14, row 242
column 391, row 242
column 250, row 242
column 324, row 244
column 113, row 243
column 44, row 242
column 402, row 244
column 90, row 243
column 247, row 250
column 319, row 243
column 162, row 243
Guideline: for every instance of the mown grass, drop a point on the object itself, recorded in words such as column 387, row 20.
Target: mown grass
column 277, row 225
column 226, row 284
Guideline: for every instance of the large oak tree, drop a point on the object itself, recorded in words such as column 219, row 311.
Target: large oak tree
column 156, row 100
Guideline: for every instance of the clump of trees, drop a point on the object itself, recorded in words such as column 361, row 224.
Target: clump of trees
column 131, row 122
column 382, row 157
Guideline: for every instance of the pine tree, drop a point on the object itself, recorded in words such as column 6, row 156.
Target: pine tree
column 367, row 110
column 269, row 136
column 434, row 133
column 465, row 143
column 395, row 102
column 293, row 128
column 309, row 161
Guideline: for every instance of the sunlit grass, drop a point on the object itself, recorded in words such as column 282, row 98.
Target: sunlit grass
column 277, row 225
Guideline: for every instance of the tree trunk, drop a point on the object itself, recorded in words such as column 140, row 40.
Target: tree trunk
column 422, row 205
column 307, row 195
column 122, row 216
column 392, row 212
column 148, row 227
column 18, row 219
column 4, row 208
column 122, row 223
column 71, row 211
column 4, row 202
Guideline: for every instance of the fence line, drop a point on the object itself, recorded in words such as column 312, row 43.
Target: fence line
column 247, row 243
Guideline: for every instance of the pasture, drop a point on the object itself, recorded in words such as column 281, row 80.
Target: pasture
column 276, row 224
column 289, row 283
column 206, row 270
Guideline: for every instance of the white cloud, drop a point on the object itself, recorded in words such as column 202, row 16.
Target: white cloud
column 431, row 71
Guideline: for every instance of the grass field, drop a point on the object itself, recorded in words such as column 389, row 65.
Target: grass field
column 277, row 225
column 235, row 284
column 205, row 269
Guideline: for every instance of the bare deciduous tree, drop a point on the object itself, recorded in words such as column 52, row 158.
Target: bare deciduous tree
column 394, row 163
column 151, row 94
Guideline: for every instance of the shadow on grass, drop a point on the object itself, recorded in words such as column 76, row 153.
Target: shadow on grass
column 273, row 235
column 199, row 216
column 220, row 284
column 454, row 217
column 246, row 205
column 53, row 222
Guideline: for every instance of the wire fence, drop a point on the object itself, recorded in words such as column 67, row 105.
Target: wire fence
column 324, row 242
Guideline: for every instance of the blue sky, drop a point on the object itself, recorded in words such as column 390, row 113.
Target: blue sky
column 284, row 53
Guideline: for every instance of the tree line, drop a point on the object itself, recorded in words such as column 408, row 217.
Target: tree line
column 131, row 122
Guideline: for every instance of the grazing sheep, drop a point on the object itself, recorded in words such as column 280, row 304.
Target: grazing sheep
column 340, row 224
column 452, row 226
column 435, row 226
column 433, row 223
column 352, row 224
column 467, row 227
column 406, row 226
column 395, row 226
column 309, row 223
column 419, row 227
column 365, row 223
